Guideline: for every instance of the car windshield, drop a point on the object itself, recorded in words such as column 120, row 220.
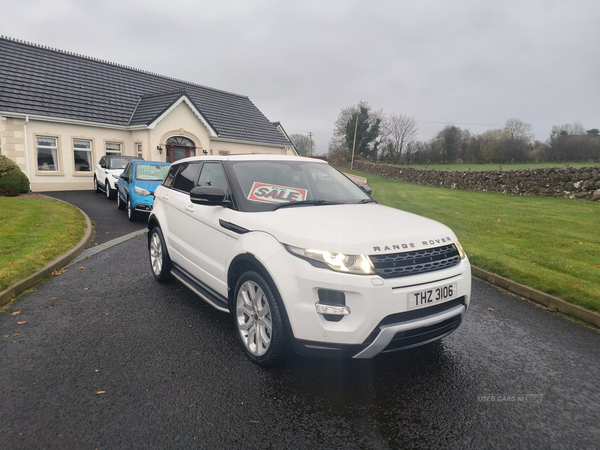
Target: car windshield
column 151, row 172
column 118, row 163
column 267, row 185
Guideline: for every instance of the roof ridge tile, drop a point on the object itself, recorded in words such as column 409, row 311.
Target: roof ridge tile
column 91, row 58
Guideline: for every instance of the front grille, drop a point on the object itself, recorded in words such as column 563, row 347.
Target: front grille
column 419, row 261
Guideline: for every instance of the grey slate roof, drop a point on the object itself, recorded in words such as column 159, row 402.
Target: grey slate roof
column 150, row 107
column 41, row 81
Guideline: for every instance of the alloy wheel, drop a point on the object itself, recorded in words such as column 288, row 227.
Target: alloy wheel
column 156, row 256
column 254, row 320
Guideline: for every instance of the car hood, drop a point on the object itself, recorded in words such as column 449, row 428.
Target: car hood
column 367, row 228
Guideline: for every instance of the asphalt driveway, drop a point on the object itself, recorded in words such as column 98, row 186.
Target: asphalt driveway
column 109, row 222
column 109, row 358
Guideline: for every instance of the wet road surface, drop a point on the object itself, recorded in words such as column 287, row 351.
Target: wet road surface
column 174, row 376
column 109, row 221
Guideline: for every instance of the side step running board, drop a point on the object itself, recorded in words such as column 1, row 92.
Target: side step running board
column 207, row 294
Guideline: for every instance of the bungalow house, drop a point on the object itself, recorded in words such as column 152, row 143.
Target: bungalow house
column 61, row 112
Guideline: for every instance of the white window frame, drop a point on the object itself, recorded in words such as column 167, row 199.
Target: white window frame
column 138, row 148
column 87, row 150
column 53, row 149
column 108, row 151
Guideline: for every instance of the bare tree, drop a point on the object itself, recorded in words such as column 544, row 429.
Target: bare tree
column 398, row 131
column 568, row 129
column 302, row 143
column 518, row 130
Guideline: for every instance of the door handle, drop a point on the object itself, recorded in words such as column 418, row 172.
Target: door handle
column 166, row 196
column 189, row 208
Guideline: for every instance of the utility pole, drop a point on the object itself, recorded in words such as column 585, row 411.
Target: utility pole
column 310, row 133
column 354, row 143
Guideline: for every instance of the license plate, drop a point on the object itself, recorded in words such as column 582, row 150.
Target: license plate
column 428, row 297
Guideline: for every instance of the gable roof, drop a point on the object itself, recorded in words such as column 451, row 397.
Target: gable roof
column 37, row 80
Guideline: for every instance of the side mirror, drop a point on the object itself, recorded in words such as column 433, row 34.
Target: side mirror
column 366, row 189
column 125, row 177
column 208, row 195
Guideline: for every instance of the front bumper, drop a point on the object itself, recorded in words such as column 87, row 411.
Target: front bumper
column 379, row 320
column 142, row 204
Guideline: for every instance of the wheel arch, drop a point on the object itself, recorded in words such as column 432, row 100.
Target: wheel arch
column 243, row 263
column 152, row 223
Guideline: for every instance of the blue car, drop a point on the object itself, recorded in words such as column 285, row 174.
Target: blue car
column 135, row 189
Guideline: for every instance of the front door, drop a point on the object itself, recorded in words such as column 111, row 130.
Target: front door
column 179, row 147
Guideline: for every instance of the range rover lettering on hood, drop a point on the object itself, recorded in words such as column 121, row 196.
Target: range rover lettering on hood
column 409, row 245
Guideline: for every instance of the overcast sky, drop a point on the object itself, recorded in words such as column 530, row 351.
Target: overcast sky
column 469, row 63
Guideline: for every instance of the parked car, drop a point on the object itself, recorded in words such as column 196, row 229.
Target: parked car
column 300, row 255
column 107, row 173
column 136, row 185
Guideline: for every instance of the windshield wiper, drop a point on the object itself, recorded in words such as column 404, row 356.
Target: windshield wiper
column 366, row 200
column 307, row 203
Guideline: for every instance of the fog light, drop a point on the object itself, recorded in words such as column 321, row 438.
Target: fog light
column 332, row 309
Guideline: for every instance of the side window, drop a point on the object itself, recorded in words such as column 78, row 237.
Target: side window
column 129, row 170
column 186, row 177
column 213, row 175
column 102, row 161
column 168, row 181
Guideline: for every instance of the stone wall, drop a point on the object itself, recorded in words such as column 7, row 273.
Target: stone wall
column 570, row 182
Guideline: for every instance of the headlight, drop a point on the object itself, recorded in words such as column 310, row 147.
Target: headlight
column 461, row 252
column 142, row 192
column 356, row 264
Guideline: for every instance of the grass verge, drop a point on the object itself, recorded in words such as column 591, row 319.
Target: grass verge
column 33, row 233
column 475, row 167
column 550, row 244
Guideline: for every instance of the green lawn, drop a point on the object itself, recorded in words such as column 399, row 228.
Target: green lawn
column 34, row 232
column 497, row 166
column 549, row 244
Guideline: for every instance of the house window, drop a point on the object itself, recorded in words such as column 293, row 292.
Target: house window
column 47, row 153
column 82, row 154
column 113, row 148
column 139, row 150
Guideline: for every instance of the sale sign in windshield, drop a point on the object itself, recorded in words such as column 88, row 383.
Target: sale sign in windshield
column 270, row 193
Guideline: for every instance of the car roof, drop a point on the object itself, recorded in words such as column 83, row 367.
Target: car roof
column 250, row 157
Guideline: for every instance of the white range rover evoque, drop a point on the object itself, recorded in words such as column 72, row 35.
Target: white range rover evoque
column 301, row 256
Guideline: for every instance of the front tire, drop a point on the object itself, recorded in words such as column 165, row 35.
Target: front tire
column 160, row 263
column 109, row 193
column 258, row 321
column 120, row 203
column 131, row 212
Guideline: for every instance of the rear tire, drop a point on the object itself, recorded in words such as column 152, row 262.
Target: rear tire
column 160, row 263
column 96, row 188
column 261, row 330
